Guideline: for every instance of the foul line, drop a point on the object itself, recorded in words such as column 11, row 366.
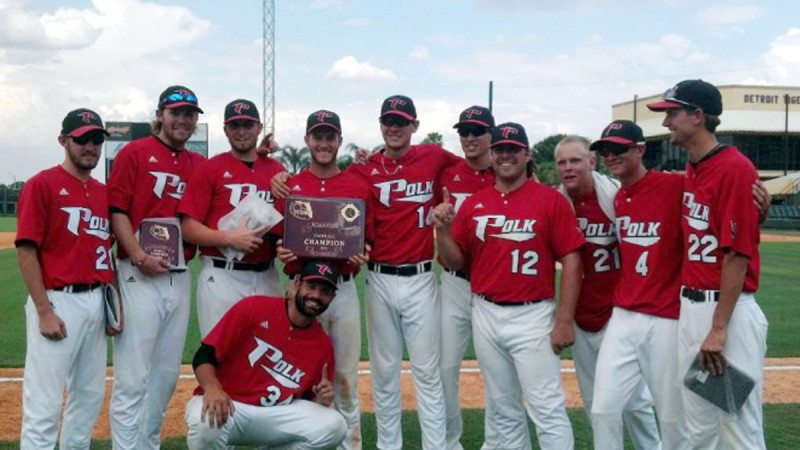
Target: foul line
column 408, row 372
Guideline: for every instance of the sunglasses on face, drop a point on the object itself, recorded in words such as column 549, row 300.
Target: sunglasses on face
column 474, row 131
column 96, row 139
column 394, row 121
column 237, row 124
column 511, row 149
column 178, row 97
column 615, row 149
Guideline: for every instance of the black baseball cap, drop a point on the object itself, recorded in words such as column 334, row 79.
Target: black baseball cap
column 81, row 121
column 399, row 105
column 177, row 96
column 509, row 133
column 691, row 94
column 323, row 118
column 620, row 132
column 322, row 271
column 241, row 109
column 475, row 115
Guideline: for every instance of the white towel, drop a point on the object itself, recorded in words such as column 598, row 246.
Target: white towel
column 605, row 188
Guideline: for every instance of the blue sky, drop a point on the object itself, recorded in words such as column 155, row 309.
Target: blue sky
column 558, row 66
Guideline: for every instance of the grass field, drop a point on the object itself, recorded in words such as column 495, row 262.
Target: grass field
column 780, row 432
column 8, row 223
column 778, row 294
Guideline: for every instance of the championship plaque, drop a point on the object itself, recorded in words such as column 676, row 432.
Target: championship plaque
column 317, row 227
column 162, row 238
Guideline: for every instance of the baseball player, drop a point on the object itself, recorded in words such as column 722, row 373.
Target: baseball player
column 720, row 322
column 591, row 195
column 342, row 320
column 264, row 369
column 214, row 190
column 461, row 181
column 509, row 237
column 148, row 181
column 640, row 339
column 64, row 254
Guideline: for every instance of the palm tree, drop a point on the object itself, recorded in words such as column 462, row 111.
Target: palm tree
column 295, row 159
column 434, row 138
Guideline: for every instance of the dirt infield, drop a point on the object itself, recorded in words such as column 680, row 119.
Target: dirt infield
column 7, row 240
column 782, row 386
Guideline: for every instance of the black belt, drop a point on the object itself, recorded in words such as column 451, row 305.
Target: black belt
column 76, row 288
column 250, row 267
column 406, row 270
column 699, row 295
column 458, row 273
column 507, row 303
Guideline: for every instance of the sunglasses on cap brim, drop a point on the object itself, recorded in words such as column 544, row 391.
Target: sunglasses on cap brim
column 669, row 96
column 95, row 138
column 393, row 120
column 472, row 130
column 178, row 97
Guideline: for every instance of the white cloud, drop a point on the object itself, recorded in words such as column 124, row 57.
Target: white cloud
column 781, row 62
column 358, row 22
column 328, row 4
column 349, row 68
column 419, row 54
column 729, row 14
column 65, row 28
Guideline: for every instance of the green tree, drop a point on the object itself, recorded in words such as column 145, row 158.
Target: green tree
column 434, row 138
column 545, row 150
column 295, row 159
column 346, row 155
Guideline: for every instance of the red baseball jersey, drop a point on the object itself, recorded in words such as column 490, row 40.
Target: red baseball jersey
column 401, row 200
column 719, row 215
column 67, row 219
column 148, row 179
column 218, row 185
column 601, row 265
column 263, row 359
column 344, row 184
column 511, row 241
column 648, row 225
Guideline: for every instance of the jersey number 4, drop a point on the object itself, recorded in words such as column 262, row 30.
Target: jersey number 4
column 524, row 265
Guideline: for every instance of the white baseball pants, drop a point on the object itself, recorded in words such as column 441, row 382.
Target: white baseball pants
column 637, row 346
column 745, row 348
column 512, row 344
column 299, row 425
column 218, row 289
column 405, row 308
column 77, row 363
column 147, row 355
column 342, row 322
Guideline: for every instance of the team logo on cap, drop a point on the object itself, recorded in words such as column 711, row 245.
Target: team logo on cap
column 612, row 126
column 396, row 101
column 87, row 117
column 239, row 107
column 507, row 131
column 322, row 269
column 472, row 112
column 322, row 115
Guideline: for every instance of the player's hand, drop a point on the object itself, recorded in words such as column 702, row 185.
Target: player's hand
column 362, row 156
column 323, row 392
column 152, row 266
column 361, row 258
column 711, row 357
column 562, row 336
column 51, row 326
column 444, row 213
column 278, row 185
column 284, row 254
column 244, row 239
column 762, row 200
column 115, row 331
column 217, row 407
column 267, row 146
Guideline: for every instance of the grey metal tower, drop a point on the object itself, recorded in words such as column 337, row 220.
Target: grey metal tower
column 268, row 103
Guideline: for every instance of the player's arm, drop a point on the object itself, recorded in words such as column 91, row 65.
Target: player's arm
column 278, row 185
column 241, row 238
column 563, row 334
column 123, row 231
column 217, row 405
column 50, row 325
column 734, row 269
column 762, row 200
column 443, row 215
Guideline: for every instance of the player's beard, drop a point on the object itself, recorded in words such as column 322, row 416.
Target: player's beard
column 84, row 159
column 300, row 303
